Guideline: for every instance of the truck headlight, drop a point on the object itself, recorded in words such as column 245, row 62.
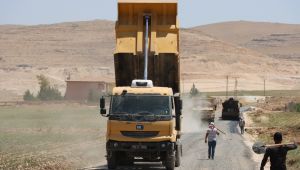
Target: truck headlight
column 115, row 144
column 163, row 145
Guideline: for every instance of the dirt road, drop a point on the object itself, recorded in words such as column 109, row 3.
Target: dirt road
column 231, row 151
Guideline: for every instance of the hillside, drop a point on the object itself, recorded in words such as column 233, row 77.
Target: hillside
column 81, row 49
column 274, row 39
column 85, row 49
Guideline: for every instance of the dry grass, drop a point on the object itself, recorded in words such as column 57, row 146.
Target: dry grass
column 285, row 122
column 50, row 136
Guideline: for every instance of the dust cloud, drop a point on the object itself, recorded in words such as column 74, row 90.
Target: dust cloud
column 192, row 116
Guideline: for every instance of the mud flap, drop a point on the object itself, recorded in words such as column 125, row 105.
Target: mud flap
column 178, row 154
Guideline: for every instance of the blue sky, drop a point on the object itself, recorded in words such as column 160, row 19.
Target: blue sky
column 191, row 12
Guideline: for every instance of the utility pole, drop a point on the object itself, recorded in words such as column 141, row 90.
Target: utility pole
column 226, row 87
column 235, row 87
column 264, row 87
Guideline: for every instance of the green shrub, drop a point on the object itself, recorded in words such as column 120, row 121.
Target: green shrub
column 47, row 92
column 194, row 91
column 297, row 107
column 28, row 96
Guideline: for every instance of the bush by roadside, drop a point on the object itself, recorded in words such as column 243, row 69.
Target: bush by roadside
column 28, row 96
column 46, row 92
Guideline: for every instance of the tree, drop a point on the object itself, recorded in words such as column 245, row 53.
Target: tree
column 194, row 91
column 47, row 92
column 28, row 96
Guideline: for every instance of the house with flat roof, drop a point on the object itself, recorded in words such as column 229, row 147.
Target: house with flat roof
column 81, row 90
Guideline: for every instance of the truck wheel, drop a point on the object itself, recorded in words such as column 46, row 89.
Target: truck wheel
column 178, row 155
column 126, row 161
column 170, row 160
column 112, row 160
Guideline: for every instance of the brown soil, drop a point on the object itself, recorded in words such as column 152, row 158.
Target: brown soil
column 84, row 50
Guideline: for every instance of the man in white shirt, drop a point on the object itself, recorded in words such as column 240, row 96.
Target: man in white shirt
column 211, row 137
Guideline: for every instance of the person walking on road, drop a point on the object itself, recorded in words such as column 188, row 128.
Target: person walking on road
column 211, row 137
column 277, row 154
column 242, row 125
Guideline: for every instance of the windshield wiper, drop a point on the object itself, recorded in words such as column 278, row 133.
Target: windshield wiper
column 148, row 116
column 122, row 115
column 144, row 113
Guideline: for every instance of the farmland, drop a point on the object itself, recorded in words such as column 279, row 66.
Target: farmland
column 286, row 122
column 50, row 136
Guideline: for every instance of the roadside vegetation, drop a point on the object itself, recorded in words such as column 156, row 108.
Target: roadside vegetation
column 194, row 91
column 286, row 122
column 50, row 136
column 46, row 92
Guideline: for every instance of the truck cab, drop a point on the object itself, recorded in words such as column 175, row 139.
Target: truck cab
column 141, row 125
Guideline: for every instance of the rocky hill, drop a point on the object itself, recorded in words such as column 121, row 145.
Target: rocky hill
column 277, row 40
column 85, row 49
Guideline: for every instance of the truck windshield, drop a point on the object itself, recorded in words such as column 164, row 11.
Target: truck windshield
column 141, row 105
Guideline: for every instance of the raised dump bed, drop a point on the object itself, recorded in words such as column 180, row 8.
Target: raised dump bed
column 163, row 42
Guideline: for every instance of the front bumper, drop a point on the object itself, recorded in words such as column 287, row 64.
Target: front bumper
column 140, row 146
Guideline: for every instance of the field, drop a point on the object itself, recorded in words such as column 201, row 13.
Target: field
column 51, row 136
column 286, row 122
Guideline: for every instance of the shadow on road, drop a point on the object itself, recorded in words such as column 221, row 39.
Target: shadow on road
column 233, row 125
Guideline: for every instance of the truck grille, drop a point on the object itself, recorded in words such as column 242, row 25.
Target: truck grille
column 140, row 134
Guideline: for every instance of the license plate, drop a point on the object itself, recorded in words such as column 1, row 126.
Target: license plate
column 139, row 147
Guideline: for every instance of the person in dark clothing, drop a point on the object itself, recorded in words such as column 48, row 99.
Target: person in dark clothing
column 242, row 125
column 277, row 154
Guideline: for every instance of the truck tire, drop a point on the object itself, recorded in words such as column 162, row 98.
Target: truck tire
column 112, row 160
column 170, row 160
column 178, row 156
column 125, row 161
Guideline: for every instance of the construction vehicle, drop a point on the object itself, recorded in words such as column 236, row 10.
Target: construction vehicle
column 231, row 109
column 144, row 117
column 205, row 107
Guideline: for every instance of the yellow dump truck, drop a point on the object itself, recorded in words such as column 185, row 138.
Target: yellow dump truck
column 144, row 117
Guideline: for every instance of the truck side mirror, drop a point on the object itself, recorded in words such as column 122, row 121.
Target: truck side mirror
column 178, row 112
column 102, row 106
column 178, row 105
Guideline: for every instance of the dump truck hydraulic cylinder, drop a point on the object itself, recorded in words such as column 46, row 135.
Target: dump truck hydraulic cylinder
column 147, row 18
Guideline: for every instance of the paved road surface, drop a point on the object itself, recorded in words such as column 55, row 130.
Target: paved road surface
column 231, row 152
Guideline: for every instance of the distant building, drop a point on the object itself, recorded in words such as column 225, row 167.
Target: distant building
column 81, row 89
